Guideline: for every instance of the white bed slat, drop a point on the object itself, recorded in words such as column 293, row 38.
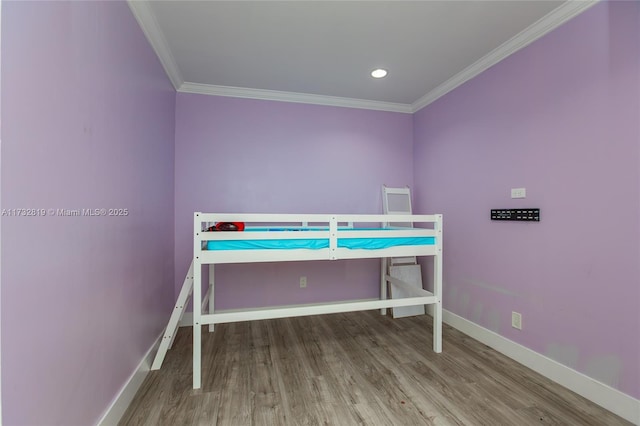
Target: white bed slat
column 312, row 219
column 274, row 255
column 298, row 311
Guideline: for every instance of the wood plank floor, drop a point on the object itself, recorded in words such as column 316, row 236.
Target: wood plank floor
column 351, row 369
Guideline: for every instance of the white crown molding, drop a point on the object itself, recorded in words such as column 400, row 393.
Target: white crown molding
column 304, row 98
column 604, row 395
column 147, row 21
column 536, row 30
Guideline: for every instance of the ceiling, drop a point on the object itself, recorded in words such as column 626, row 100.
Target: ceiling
column 323, row 51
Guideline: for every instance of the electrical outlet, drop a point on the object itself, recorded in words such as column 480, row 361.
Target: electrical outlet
column 518, row 192
column 516, row 320
column 303, row 282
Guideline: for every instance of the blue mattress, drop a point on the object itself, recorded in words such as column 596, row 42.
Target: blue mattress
column 320, row 243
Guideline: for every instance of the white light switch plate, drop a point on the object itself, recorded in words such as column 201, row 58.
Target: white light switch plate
column 518, row 192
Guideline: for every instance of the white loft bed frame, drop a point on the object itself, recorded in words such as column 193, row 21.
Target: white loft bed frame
column 332, row 232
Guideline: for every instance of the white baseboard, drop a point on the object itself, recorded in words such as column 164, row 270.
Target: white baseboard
column 599, row 393
column 121, row 402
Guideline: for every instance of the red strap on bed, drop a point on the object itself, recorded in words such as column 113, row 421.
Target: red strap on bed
column 227, row 226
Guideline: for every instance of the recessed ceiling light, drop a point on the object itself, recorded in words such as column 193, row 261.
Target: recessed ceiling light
column 378, row 73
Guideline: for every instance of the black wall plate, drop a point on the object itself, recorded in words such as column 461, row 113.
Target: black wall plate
column 520, row 215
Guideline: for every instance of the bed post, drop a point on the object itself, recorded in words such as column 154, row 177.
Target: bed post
column 383, row 283
column 211, row 293
column 197, row 302
column 437, row 287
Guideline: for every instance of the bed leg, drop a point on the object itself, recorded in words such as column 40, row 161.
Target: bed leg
column 437, row 327
column 197, row 328
column 437, row 288
column 211, row 293
column 383, row 283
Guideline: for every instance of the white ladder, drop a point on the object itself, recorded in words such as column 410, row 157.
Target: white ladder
column 398, row 201
column 174, row 321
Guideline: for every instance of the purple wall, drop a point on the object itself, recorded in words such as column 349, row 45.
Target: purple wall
column 88, row 122
column 561, row 119
column 250, row 156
